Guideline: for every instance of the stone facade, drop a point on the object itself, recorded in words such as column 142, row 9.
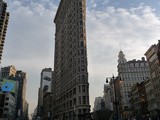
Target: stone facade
column 138, row 100
column 152, row 59
column 47, row 106
column 70, row 86
column 150, row 95
column 131, row 72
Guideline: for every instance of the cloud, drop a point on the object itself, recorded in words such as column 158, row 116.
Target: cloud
column 134, row 29
column 30, row 39
column 31, row 30
column 29, row 45
column 97, row 4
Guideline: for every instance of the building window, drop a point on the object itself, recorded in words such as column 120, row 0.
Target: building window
column 6, row 109
column 81, row 29
column 64, row 105
column 81, row 36
column 79, row 89
column 84, row 111
column 82, row 51
column 82, row 59
column 82, row 68
column 84, row 99
column 83, row 88
column 74, row 100
column 7, row 98
column 88, row 99
column 79, row 77
column 70, row 102
column 83, row 78
column 80, row 4
column 6, row 103
column 82, row 44
column 67, row 95
column 74, row 91
column 70, row 93
column 80, row 9
column 67, row 104
column 80, row 100
column 81, row 22
column 79, row 111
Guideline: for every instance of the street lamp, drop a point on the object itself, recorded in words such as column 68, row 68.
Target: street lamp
column 114, row 79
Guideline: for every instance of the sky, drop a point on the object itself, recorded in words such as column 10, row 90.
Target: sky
column 112, row 25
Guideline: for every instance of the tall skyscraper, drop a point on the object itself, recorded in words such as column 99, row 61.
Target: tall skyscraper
column 8, row 108
column 4, row 17
column 26, row 115
column 45, row 87
column 70, row 86
column 21, row 77
column 10, row 72
column 131, row 72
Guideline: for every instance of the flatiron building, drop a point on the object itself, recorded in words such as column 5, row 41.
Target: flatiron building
column 70, row 86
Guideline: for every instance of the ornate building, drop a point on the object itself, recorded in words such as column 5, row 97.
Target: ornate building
column 131, row 72
column 70, row 86
column 152, row 58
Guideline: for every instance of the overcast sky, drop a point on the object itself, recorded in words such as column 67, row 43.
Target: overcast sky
column 130, row 25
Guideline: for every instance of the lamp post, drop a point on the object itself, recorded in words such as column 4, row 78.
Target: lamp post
column 114, row 79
